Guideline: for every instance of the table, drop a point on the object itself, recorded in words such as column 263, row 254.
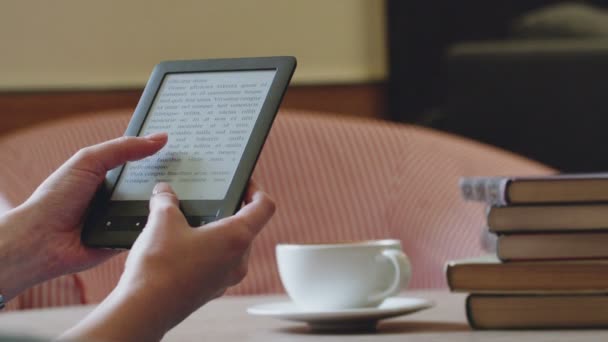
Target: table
column 226, row 320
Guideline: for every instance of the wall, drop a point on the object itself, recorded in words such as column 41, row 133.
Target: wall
column 75, row 44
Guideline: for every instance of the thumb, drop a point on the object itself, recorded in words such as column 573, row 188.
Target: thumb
column 164, row 205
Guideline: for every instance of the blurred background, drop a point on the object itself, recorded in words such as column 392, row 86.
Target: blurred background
column 529, row 76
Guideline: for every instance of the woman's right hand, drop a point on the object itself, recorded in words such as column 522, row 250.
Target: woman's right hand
column 174, row 269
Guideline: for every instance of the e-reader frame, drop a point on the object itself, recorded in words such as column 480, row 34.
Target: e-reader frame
column 116, row 224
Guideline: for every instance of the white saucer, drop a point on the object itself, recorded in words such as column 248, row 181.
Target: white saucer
column 348, row 319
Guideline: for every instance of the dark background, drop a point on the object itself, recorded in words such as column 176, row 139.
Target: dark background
column 550, row 106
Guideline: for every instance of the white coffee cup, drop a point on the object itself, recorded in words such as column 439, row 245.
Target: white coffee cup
column 344, row 275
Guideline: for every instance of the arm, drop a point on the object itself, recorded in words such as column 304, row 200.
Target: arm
column 173, row 269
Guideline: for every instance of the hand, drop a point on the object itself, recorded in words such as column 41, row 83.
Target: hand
column 41, row 238
column 173, row 269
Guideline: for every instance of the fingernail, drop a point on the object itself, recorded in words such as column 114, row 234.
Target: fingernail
column 161, row 187
column 157, row 136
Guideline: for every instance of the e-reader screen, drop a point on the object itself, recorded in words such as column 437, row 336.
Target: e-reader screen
column 209, row 117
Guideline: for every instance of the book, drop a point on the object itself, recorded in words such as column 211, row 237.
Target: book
column 537, row 218
column 537, row 311
column 552, row 246
column 488, row 274
column 561, row 188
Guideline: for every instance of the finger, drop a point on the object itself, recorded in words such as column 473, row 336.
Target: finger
column 162, row 196
column 245, row 258
column 252, row 188
column 244, row 265
column 218, row 293
column 107, row 155
column 238, row 273
column 164, row 205
column 257, row 212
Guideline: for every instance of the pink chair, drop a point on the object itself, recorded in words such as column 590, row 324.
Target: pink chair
column 333, row 179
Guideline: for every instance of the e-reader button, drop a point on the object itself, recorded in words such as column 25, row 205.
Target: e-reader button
column 114, row 223
column 109, row 224
column 136, row 222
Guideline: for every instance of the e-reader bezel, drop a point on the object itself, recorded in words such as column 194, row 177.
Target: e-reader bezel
column 96, row 235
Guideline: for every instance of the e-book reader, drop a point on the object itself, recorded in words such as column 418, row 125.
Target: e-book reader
column 217, row 113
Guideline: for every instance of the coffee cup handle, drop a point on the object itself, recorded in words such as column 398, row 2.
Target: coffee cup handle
column 400, row 264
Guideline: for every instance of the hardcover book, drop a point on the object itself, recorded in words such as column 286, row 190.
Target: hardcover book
column 562, row 188
column 534, row 218
column 489, row 275
column 552, row 246
column 537, row 311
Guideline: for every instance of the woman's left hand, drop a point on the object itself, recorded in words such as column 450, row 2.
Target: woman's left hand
column 40, row 239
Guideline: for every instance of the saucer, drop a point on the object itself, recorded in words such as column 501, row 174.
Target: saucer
column 342, row 320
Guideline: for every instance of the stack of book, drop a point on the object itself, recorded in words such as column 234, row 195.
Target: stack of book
column 550, row 269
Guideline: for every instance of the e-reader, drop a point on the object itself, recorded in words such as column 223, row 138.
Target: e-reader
column 217, row 114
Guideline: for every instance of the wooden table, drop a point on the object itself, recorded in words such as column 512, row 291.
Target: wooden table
column 226, row 320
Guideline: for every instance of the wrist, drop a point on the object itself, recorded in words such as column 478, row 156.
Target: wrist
column 21, row 253
column 139, row 291
column 125, row 315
